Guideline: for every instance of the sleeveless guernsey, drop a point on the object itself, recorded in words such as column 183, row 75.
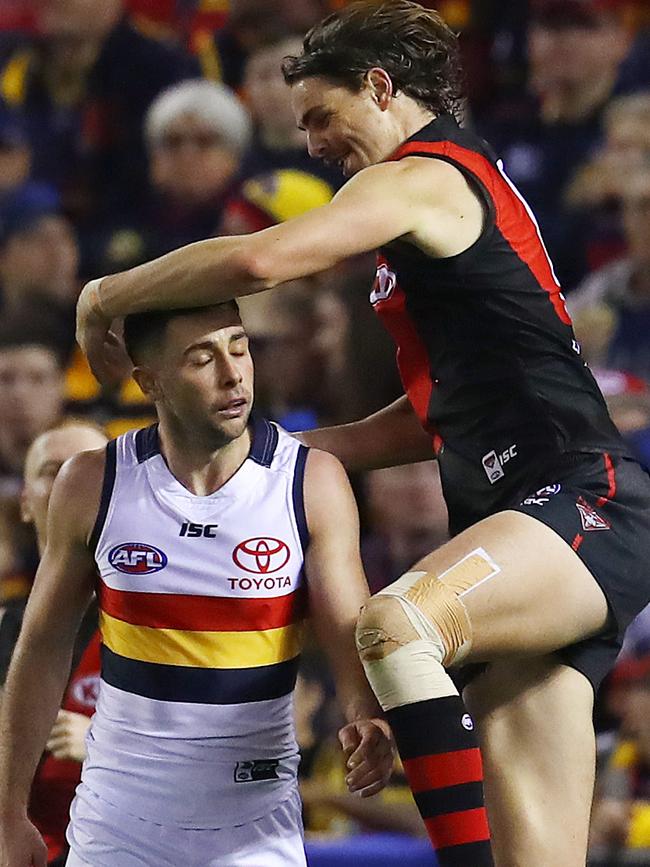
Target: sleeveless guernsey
column 201, row 607
column 485, row 346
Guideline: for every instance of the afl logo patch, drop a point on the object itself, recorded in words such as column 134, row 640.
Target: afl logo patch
column 137, row 558
column 261, row 555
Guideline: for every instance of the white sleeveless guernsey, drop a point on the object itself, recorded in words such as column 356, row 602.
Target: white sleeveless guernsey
column 201, row 607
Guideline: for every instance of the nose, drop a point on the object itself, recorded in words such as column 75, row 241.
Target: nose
column 315, row 145
column 228, row 373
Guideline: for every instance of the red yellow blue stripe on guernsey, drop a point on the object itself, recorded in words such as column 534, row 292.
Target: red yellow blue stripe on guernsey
column 201, row 648
column 202, row 602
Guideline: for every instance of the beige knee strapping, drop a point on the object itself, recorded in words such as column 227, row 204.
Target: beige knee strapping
column 405, row 661
column 434, row 604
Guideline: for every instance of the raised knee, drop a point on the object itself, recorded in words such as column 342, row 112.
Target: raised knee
column 382, row 628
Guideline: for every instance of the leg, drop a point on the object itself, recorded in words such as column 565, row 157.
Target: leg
column 535, row 723
column 509, row 585
column 528, row 592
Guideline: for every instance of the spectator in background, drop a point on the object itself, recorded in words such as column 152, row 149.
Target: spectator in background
column 621, row 814
column 39, row 263
column 575, row 49
column 277, row 141
column 31, row 401
column 83, row 85
column 196, row 132
column 611, row 307
column 59, row 772
column 250, row 25
column 31, row 393
column 15, row 155
column 406, row 517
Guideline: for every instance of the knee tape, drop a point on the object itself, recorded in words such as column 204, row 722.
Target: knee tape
column 434, row 605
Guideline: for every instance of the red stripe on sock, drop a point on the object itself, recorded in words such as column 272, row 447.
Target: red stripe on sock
column 456, row 829
column 444, row 769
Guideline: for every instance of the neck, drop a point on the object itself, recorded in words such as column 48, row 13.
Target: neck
column 200, row 467
column 412, row 118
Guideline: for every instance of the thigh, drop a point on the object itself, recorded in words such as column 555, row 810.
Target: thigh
column 534, row 719
column 523, row 587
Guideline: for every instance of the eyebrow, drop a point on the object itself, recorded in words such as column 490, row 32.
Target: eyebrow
column 208, row 344
column 309, row 115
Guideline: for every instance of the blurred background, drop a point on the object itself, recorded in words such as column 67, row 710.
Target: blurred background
column 130, row 127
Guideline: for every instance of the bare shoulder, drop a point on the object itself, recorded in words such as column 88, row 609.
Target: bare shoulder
column 324, row 471
column 77, row 491
column 328, row 494
column 411, row 176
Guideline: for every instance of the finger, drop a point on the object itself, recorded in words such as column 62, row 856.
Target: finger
column 349, row 739
column 382, row 766
column 368, row 746
column 55, row 742
column 372, row 790
column 369, row 778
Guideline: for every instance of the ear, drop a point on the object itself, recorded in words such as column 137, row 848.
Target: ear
column 381, row 86
column 147, row 381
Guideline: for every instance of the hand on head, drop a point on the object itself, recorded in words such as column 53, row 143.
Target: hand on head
column 102, row 345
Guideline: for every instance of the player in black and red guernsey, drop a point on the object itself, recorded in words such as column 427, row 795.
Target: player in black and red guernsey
column 550, row 516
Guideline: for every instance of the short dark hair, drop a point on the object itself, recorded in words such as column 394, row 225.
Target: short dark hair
column 144, row 332
column 412, row 44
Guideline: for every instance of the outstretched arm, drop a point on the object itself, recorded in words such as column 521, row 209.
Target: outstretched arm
column 43, row 654
column 387, row 438
column 337, row 590
column 383, row 202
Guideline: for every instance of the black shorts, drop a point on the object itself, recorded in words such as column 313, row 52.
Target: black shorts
column 600, row 506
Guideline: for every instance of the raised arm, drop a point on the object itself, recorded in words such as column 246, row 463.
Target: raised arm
column 43, row 654
column 337, row 590
column 381, row 203
column 387, row 438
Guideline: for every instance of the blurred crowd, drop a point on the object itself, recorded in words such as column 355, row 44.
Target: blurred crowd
column 130, row 127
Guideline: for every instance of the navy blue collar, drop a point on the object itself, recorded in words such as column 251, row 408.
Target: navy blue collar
column 264, row 441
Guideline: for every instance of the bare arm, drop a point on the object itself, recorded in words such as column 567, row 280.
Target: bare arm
column 337, row 590
column 381, row 203
column 43, row 654
column 388, row 438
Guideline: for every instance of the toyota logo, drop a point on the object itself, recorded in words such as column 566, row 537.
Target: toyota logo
column 261, row 555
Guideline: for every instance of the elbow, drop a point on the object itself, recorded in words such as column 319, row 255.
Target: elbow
column 257, row 268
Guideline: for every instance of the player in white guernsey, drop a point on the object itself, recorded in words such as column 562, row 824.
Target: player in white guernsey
column 213, row 539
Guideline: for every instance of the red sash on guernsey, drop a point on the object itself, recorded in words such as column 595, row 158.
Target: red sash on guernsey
column 56, row 780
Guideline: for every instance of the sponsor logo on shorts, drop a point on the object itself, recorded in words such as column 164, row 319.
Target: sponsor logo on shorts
column 541, row 497
column 384, row 285
column 137, row 558
column 589, row 517
column 493, row 463
column 255, row 771
column 261, row 555
column 467, row 722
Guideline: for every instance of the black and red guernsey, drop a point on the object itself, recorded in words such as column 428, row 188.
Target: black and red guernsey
column 485, row 346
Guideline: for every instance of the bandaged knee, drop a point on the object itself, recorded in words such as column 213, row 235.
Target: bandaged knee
column 405, row 647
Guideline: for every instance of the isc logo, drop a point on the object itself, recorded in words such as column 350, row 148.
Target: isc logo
column 137, row 558
column 192, row 531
